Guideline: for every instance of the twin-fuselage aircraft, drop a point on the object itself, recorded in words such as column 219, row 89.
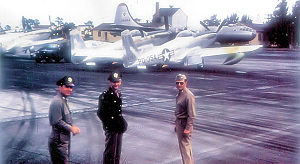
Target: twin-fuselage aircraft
column 159, row 48
column 187, row 49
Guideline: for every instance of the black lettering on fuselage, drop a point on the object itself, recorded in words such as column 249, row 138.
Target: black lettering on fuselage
column 164, row 56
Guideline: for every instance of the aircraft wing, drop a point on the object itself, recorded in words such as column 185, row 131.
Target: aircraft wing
column 228, row 50
column 235, row 54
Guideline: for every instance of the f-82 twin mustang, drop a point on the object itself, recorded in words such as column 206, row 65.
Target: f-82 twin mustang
column 186, row 49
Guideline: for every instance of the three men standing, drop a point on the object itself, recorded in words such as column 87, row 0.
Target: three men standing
column 61, row 121
column 114, row 125
column 185, row 114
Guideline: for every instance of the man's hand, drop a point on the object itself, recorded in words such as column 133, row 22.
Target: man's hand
column 75, row 129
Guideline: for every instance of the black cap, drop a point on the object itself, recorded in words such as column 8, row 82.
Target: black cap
column 114, row 77
column 67, row 80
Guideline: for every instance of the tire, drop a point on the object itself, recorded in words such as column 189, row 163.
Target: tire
column 57, row 59
column 67, row 58
column 38, row 60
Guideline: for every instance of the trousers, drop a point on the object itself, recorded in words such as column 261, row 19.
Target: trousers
column 184, row 142
column 113, row 145
column 59, row 151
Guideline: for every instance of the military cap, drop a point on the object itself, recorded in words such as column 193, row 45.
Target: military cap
column 67, row 80
column 114, row 77
column 180, row 77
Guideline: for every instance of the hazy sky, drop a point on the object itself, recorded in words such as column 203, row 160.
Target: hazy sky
column 103, row 11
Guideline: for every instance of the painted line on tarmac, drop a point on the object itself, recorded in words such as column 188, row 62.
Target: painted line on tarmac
column 21, row 110
column 247, row 141
column 245, row 90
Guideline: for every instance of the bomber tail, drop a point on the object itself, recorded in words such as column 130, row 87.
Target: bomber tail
column 123, row 17
column 131, row 51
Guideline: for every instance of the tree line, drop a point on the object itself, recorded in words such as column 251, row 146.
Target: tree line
column 282, row 29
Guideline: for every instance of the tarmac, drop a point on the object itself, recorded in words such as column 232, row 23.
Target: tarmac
column 148, row 140
column 24, row 138
column 247, row 113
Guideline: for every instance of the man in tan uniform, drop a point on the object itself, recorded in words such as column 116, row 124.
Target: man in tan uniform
column 185, row 114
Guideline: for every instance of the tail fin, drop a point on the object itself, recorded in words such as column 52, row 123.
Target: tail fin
column 76, row 46
column 131, row 51
column 76, row 40
column 123, row 17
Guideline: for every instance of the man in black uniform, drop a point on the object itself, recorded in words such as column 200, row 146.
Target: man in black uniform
column 114, row 125
column 61, row 122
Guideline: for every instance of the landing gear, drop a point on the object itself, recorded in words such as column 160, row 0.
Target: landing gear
column 201, row 65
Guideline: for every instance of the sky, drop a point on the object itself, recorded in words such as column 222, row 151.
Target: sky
column 103, row 11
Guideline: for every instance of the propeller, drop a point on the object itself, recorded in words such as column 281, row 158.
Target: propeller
column 219, row 28
column 221, row 25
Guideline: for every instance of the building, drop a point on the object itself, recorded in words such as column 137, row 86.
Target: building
column 174, row 19
column 261, row 38
column 107, row 32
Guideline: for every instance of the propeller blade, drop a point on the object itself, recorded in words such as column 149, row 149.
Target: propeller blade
column 221, row 25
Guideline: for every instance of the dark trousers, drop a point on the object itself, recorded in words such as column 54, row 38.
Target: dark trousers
column 59, row 151
column 113, row 144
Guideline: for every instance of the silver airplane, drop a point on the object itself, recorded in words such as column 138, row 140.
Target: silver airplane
column 103, row 53
column 97, row 53
column 94, row 52
column 19, row 43
column 187, row 49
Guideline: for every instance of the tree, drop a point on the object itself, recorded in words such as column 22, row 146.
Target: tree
column 36, row 22
column 233, row 19
column 24, row 24
column 213, row 21
column 67, row 27
column 7, row 27
column 59, row 21
column 296, row 18
column 281, row 10
column 89, row 23
column 281, row 27
column 88, row 31
column 246, row 20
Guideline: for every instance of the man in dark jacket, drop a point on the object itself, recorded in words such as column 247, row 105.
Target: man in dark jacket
column 114, row 125
column 61, row 122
